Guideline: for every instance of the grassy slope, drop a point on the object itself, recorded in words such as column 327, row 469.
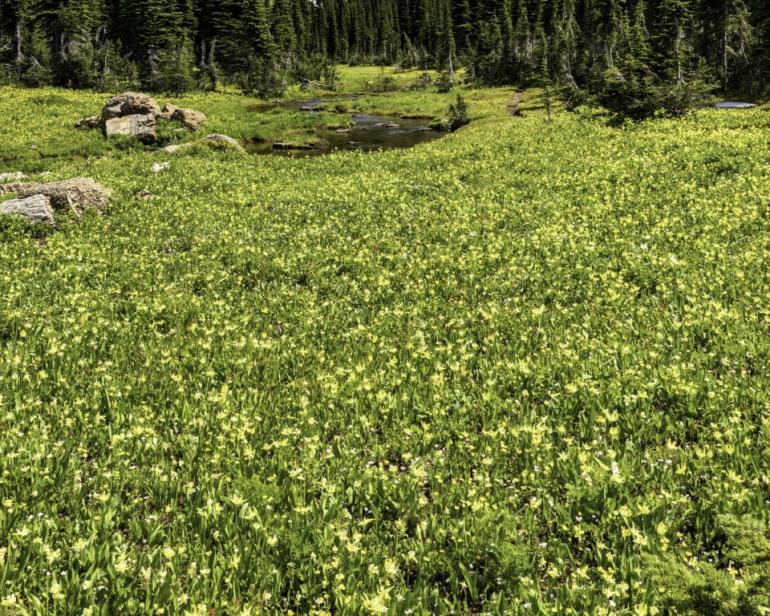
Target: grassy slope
column 497, row 372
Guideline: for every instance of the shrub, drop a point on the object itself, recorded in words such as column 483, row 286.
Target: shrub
column 444, row 83
column 458, row 114
column 423, row 82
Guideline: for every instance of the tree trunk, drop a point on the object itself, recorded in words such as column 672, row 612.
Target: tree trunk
column 19, row 56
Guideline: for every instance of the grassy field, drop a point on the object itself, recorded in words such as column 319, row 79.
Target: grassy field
column 519, row 370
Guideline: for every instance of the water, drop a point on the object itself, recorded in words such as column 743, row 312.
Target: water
column 369, row 133
column 734, row 105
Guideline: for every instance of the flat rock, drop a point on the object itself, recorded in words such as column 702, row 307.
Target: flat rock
column 142, row 127
column 190, row 118
column 35, row 209
column 312, row 106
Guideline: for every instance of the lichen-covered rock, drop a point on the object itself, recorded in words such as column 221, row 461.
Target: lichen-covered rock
column 190, row 118
column 130, row 103
column 35, row 209
column 77, row 194
column 215, row 141
column 143, row 127
column 223, row 142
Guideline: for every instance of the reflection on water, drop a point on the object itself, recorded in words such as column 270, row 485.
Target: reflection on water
column 369, row 132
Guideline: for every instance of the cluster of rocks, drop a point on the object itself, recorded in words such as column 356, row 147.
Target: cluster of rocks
column 136, row 115
column 39, row 202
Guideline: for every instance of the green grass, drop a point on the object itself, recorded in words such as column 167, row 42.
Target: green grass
column 521, row 369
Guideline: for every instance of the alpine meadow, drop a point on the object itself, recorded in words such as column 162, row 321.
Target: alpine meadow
column 397, row 307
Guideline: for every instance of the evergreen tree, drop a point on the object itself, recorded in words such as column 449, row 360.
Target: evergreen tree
column 463, row 26
column 283, row 29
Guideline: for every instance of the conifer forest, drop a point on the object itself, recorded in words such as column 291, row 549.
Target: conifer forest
column 614, row 47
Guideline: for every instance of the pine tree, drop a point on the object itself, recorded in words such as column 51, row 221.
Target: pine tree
column 283, row 29
column 463, row 26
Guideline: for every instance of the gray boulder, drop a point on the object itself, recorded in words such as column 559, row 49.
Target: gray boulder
column 223, row 142
column 130, row 103
column 35, row 209
column 190, row 118
column 77, row 194
column 143, row 127
column 214, row 141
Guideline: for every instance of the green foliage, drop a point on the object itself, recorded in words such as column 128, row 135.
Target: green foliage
column 384, row 83
column 423, row 82
column 642, row 95
column 118, row 73
column 444, row 83
column 329, row 75
column 35, row 65
column 737, row 585
column 173, row 69
column 263, row 79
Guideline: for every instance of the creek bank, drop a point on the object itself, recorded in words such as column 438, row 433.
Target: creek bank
column 368, row 132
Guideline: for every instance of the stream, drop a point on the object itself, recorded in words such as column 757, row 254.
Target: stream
column 369, row 133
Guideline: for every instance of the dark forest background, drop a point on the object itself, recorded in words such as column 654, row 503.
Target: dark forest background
column 632, row 54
